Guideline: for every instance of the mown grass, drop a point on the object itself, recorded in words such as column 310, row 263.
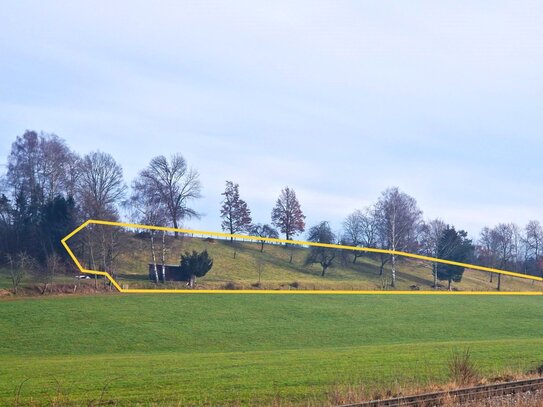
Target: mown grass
column 252, row 349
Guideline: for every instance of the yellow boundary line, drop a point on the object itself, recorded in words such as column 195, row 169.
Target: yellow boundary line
column 296, row 242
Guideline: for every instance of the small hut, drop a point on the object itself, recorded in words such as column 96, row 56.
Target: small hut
column 173, row 272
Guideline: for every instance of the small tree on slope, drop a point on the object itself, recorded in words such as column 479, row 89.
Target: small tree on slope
column 195, row 265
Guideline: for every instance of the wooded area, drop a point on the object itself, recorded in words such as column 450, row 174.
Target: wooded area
column 49, row 189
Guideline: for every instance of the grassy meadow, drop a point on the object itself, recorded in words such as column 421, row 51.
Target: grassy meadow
column 237, row 265
column 213, row 349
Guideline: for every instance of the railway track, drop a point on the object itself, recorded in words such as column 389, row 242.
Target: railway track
column 457, row 396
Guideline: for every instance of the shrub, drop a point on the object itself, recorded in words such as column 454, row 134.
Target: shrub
column 462, row 368
column 195, row 265
column 231, row 286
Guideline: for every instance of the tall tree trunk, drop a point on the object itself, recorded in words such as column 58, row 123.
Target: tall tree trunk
column 91, row 254
column 323, row 270
column 394, row 242
column 153, row 252
column 393, row 283
column 261, row 246
column 104, row 254
column 450, row 285
column 382, row 266
column 164, row 256
column 499, row 282
column 434, row 271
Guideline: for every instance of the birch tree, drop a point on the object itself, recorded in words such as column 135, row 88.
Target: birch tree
column 175, row 184
column 147, row 209
column 398, row 218
column 40, row 167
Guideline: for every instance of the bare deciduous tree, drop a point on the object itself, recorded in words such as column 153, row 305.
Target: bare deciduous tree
column 100, row 190
column 52, row 266
column 360, row 230
column 287, row 215
column 234, row 211
column 398, row 218
column 58, row 166
column 148, row 209
column 352, row 232
column 174, row 184
column 40, row 167
column 19, row 266
column 322, row 233
column 499, row 247
column 505, row 246
column 100, row 186
column 430, row 235
column 534, row 243
column 488, row 248
column 263, row 231
column 260, row 265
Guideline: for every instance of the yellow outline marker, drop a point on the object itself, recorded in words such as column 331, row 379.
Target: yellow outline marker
column 298, row 242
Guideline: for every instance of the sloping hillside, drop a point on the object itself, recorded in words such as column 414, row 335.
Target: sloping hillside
column 237, row 265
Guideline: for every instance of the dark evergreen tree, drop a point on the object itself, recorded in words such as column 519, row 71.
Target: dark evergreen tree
column 455, row 246
column 58, row 218
column 6, row 227
column 195, row 264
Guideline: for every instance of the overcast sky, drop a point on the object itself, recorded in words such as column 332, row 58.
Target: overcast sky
column 337, row 99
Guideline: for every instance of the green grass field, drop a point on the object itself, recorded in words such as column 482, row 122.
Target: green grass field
column 252, row 349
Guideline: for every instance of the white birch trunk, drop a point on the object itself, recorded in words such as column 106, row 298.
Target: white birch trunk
column 163, row 256
column 394, row 243
column 154, row 256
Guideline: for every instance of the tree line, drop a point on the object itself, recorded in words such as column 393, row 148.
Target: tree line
column 394, row 222
column 48, row 189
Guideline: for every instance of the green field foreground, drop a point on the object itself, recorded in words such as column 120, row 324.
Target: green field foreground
column 221, row 349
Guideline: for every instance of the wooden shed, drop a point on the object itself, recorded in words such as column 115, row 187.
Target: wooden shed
column 173, row 272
